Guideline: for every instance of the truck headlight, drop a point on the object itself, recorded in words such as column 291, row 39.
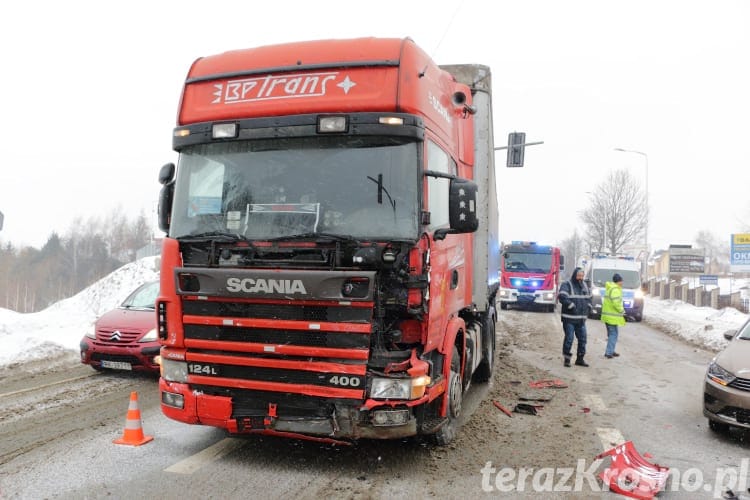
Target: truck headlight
column 638, row 294
column 399, row 388
column 174, row 371
column 595, row 292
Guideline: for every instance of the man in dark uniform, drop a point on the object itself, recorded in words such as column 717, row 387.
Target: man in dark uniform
column 575, row 300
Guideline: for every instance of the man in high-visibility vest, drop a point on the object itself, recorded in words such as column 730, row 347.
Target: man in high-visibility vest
column 613, row 313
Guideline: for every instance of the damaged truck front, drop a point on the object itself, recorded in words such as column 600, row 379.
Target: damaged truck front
column 331, row 256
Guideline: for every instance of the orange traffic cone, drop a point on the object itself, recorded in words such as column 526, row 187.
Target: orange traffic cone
column 133, row 434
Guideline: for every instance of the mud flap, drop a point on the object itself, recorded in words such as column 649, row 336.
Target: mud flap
column 630, row 474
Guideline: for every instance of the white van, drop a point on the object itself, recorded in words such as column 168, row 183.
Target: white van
column 601, row 268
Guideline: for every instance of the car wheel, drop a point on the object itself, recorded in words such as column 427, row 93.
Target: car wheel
column 719, row 427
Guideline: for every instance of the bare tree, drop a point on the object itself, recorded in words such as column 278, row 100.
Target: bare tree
column 716, row 251
column 617, row 215
column 573, row 249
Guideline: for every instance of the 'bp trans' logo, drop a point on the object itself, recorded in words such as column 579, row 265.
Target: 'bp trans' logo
column 260, row 285
column 279, row 87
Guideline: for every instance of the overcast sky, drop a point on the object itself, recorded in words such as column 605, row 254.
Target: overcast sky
column 90, row 93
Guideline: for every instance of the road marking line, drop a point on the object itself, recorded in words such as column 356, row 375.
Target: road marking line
column 29, row 389
column 210, row 454
column 609, row 437
column 595, row 402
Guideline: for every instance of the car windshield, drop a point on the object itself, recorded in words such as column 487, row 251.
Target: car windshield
column 527, row 262
column 745, row 332
column 630, row 279
column 143, row 298
column 270, row 189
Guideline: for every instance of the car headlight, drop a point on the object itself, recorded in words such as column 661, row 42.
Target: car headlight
column 595, row 292
column 91, row 334
column 399, row 388
column 174, row 371
column 149, row 337
column 638, row 294
column 719, row 374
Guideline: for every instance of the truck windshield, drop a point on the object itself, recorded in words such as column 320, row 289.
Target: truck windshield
column 527, row 262
column 363, row 187
column 630, row 279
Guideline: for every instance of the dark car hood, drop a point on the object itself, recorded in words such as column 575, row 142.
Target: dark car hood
column 736, row 358
column 127, row 319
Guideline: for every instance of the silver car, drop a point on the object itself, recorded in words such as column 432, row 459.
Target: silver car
column 726, row 395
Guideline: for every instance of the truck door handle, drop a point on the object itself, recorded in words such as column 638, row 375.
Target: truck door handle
column 454, row 279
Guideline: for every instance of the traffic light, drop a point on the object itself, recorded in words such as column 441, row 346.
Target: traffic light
column 516, row 144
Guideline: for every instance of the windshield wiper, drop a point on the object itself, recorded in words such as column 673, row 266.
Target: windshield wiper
column 318, row 237
column 214, row 235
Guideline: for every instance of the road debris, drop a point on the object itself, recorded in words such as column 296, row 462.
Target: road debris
column 502, row 409
column 630, row 474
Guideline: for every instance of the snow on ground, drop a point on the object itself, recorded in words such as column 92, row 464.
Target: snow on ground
column 35, row 336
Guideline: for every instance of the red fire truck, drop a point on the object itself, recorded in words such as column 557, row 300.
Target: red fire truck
column 530, row 275
column 331, row 259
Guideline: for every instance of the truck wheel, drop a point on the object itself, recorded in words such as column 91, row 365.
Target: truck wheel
column 503, row 306
column 484, row 371
column 449, row 429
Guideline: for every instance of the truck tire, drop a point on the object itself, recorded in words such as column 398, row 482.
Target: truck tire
column 447, row 432
column 483, row 372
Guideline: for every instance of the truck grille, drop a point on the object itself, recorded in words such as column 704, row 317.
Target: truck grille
column 279, row 311
column 254, row 349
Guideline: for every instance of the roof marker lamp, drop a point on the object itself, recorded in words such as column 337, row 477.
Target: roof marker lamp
column 332, row 124
column 391, row 120
column 224, row 131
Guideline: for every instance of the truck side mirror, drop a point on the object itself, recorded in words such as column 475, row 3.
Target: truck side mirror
column 166, row 174
column 516, row 145
column 462, row 208
column 166, row 179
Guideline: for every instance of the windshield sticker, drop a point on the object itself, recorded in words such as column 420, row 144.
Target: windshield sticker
column 204, row 205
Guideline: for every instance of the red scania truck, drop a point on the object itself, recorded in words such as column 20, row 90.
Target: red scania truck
column 331, row 256
column 530, row 275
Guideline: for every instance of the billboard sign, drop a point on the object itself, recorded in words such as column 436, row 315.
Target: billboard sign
column 739, row 253
column 686, row 260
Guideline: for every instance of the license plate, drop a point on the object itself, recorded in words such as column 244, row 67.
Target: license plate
column 116, row 365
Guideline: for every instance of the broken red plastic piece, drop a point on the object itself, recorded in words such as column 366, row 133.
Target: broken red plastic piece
column 556, row 383
column 503, row 409
column 632, row 475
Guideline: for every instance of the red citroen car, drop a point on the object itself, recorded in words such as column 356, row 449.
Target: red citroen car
column 125, row 337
